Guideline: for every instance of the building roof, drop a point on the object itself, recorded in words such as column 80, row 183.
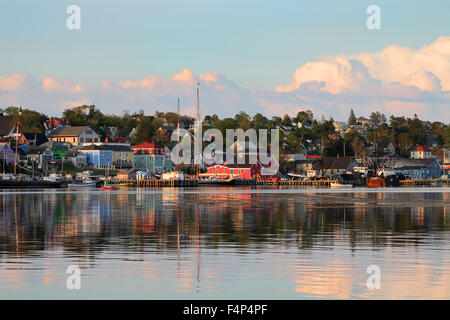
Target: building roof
column 40, row 137
column 6, row 124
column 336, row 163
column 69, row 131
column 233, row 166
column 147, row 145
column 6, row 146
column 36, row 149
column 93, row 147
column 405, row 164
column 421, row 148
column 117, row 148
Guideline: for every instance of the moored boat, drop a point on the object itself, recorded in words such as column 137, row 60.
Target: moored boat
column 340, row 185
column 108, row 187
column 88, row 183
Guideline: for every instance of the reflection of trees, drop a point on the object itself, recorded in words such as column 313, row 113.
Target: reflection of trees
column 85, row 224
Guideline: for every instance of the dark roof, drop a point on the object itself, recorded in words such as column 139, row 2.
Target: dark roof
column 36, row 149
column 410, row 164
column 116, row 148
column 336, row 163
column 69, row 131
column 6, row 124
column 40, row 137
column 93, row 147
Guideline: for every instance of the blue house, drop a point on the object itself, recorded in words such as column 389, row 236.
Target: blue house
column 98, row 156
column 418, row 168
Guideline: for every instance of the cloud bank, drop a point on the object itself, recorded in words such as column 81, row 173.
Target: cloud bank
column 397, row 80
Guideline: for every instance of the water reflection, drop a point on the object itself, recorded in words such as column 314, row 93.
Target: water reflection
column 227, row 244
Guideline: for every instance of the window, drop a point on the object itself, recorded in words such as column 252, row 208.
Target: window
column 88, row 131
column 81, row 140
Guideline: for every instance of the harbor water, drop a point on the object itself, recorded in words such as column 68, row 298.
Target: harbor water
column 225, row 243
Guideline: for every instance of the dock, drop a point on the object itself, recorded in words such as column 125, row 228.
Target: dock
column 158, row 183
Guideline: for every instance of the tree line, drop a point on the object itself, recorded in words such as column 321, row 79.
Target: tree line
column 379, row 132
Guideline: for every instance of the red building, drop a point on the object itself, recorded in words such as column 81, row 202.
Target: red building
column 238, row 171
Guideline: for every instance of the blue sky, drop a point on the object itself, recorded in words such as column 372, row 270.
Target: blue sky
column 257, row 44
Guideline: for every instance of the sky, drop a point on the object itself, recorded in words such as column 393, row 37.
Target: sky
column 273, row 57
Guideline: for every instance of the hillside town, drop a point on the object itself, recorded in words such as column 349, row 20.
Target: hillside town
column 138, row 146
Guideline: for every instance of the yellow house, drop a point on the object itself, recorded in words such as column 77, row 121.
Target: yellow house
column 75, row 135
column 122, row 154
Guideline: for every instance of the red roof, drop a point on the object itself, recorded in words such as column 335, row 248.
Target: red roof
column 422, row 148
column 147, row 145
column 312, row 156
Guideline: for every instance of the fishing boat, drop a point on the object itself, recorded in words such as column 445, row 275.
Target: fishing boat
column 87, row 183
column 106, row 187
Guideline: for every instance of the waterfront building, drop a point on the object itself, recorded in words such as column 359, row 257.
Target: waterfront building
column 6, row 153
column 35, row 139
column 75, row 135
column 239, row 171
column 446, row 162
column 39, row 154
column 337, row 165
column 58, row 148
column 78, row 159
column 149, row 157
column 421, row 152
column 417, row 168
column 98, row 156
column 122, row 154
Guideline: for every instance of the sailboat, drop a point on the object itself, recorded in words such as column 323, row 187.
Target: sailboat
column 105, row 184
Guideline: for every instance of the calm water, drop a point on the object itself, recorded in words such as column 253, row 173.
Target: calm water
column 238, row 243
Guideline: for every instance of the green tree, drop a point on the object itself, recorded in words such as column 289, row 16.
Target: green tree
column 352, row 118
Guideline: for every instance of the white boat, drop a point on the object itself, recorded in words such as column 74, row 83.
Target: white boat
column 174, row 175
column 340, row 185
column 87, row 183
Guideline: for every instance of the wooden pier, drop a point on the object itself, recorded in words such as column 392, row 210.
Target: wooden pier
column 424, row 182
column 158, row 183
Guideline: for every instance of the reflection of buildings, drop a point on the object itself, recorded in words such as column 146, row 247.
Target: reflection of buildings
column 185, row 230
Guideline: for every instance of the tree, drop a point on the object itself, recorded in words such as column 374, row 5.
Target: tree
column 305, row 117
column 352, row 118
column 287, row 121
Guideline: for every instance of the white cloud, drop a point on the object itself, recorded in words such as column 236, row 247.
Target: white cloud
column 397, row 80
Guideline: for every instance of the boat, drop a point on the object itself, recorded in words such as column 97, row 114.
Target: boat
column 174, row 175
column 376, row 182
column 336, row 184
column 124, row 185
column 14, row 183
column 87, row 183
column 106, row 187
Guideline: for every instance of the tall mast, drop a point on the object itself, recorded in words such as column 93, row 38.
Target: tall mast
column 178, row 118
column 178, row 125
column 198, row 128
column 17, row 142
